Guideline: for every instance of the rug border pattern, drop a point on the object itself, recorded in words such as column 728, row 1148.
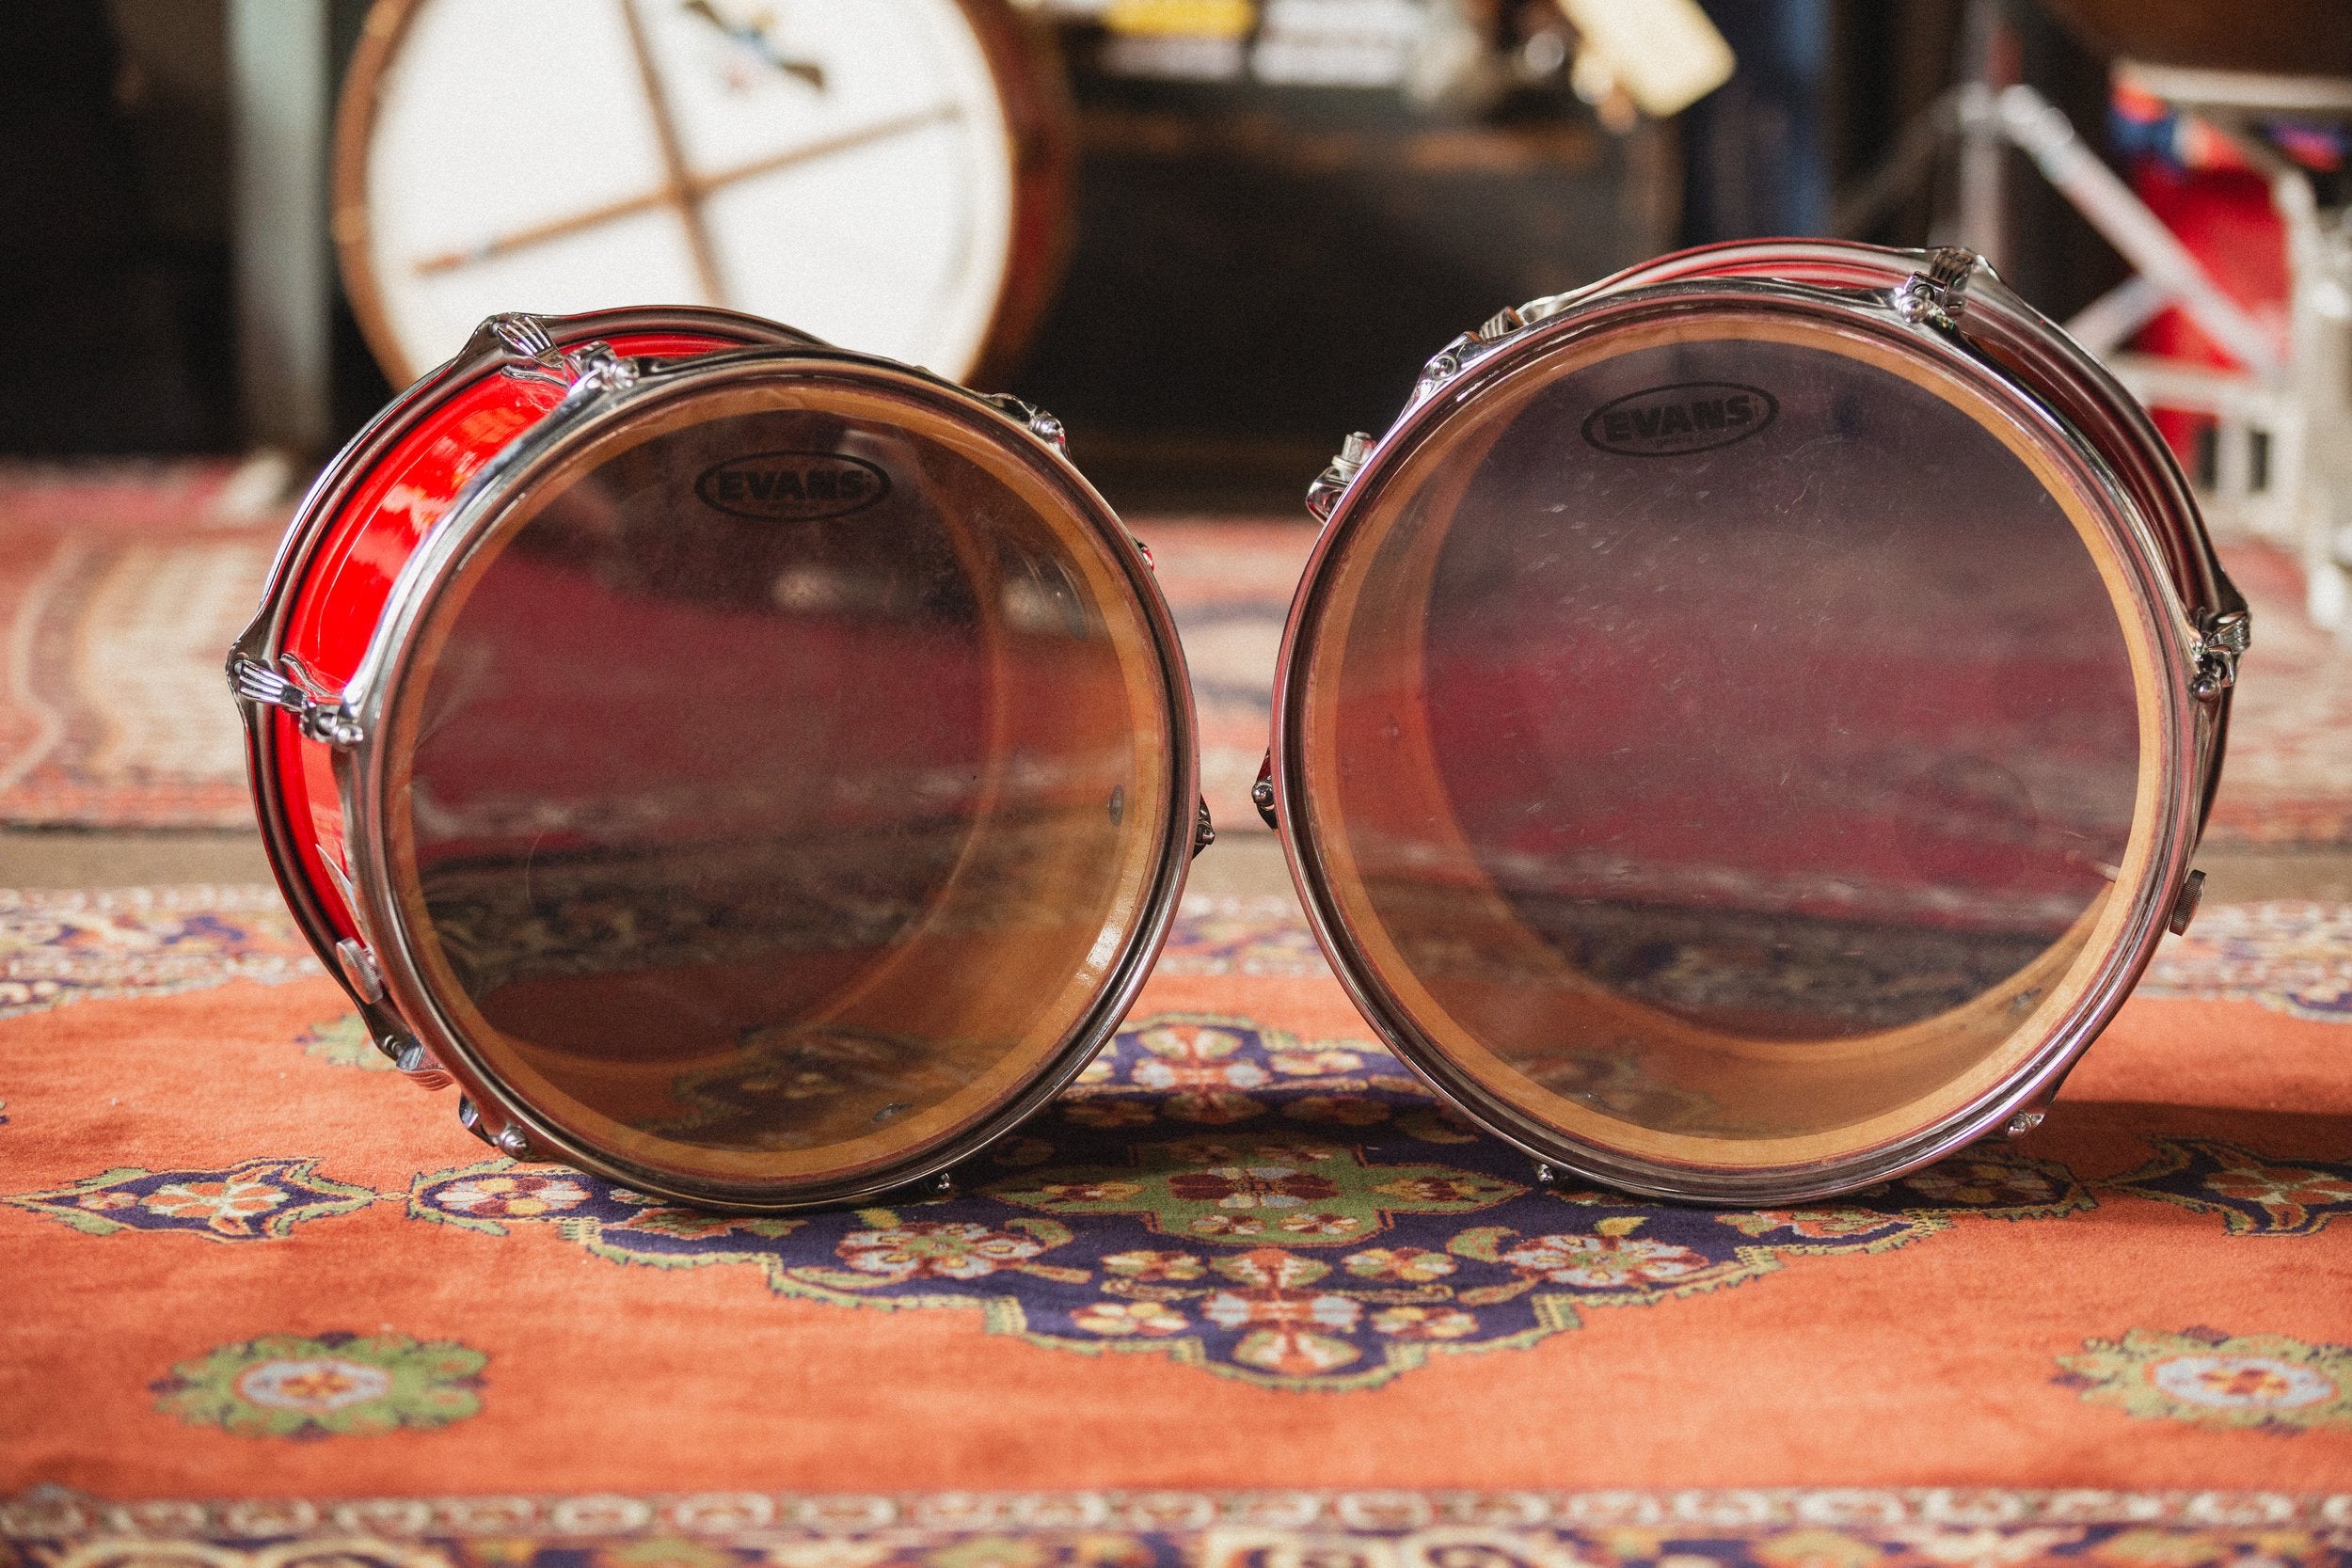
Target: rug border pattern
column 52, row 1513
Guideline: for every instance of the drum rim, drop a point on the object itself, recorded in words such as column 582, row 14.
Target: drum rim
column 1041, row 130
column 263, row 639
column 362, row 771
column 2189, row 751
column 2062, row 370
column 1998, row 320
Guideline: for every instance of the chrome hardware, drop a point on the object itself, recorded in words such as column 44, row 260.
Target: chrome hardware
column 1204, row 831
column 421, row 1067
column 1546, row 1177
column 322, row 719
column 524, row 336
column 595, row 367
column 937, row 1188
column 1463, row 350
column 524, row 340
column 1261, row 793
column 1036, row 420
column 510, row 1140
column 1445, row 365
column 2185, row 905
column 358, row 967
column 1937, row 295
column 2222, row 638
column 1501, row 324
column 2023, row 1123
column 1324, row 493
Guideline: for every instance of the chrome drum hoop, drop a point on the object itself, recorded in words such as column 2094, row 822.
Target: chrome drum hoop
column 1942, row 306
column 607, row 395
column 262, row 642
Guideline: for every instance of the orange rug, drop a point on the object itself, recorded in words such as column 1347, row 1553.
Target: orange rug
column 121, row 586
column 1245, row 1294
column 2288, row 782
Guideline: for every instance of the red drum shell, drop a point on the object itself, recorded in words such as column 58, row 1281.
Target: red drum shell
column 355, row 529
column 727, row 1042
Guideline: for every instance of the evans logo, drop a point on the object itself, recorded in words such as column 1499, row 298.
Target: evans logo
column 1686, row 416
column 792, row 486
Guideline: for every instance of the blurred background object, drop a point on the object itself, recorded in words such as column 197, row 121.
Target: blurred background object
column 1332, row 186
column 2222, row 302
column 1282, row 210
column 1275, row 210
column 890, row 176
column 114, row 261
column 2277, row 38
column 1234, row 229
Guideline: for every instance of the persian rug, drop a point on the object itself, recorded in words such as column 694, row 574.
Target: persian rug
column 1244, row 1295
column 1228, row 584
column 121, row 586
column 2287, row 784
column 2287, row 781
column 1270, row 1528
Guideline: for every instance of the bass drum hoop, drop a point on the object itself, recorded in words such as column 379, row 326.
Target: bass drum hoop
column 2166, row 556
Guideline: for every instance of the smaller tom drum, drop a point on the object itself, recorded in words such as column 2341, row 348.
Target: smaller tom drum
column 758, row 772
column 1742, row 731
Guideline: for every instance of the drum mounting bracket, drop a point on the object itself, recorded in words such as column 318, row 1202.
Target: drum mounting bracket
column 1937, row 295
column 1323, row 494
column 525, row 349
column 2221, row 638
column 325, row 720
column 1036, row 420
column 520, row 338
column 509, row 1140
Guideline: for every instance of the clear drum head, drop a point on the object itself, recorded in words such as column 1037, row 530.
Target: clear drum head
column 1726, row 747
column 781, row 790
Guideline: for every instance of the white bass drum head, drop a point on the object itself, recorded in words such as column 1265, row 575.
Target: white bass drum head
column 853, row 170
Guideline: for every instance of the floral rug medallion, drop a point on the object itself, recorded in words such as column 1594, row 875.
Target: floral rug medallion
column 1296, row 1214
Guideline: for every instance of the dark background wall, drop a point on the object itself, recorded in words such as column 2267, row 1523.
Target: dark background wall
column 114, row 251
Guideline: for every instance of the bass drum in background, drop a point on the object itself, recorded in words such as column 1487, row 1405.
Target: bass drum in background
column 1744, row 729
column 890, row 174
column 759, row 774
